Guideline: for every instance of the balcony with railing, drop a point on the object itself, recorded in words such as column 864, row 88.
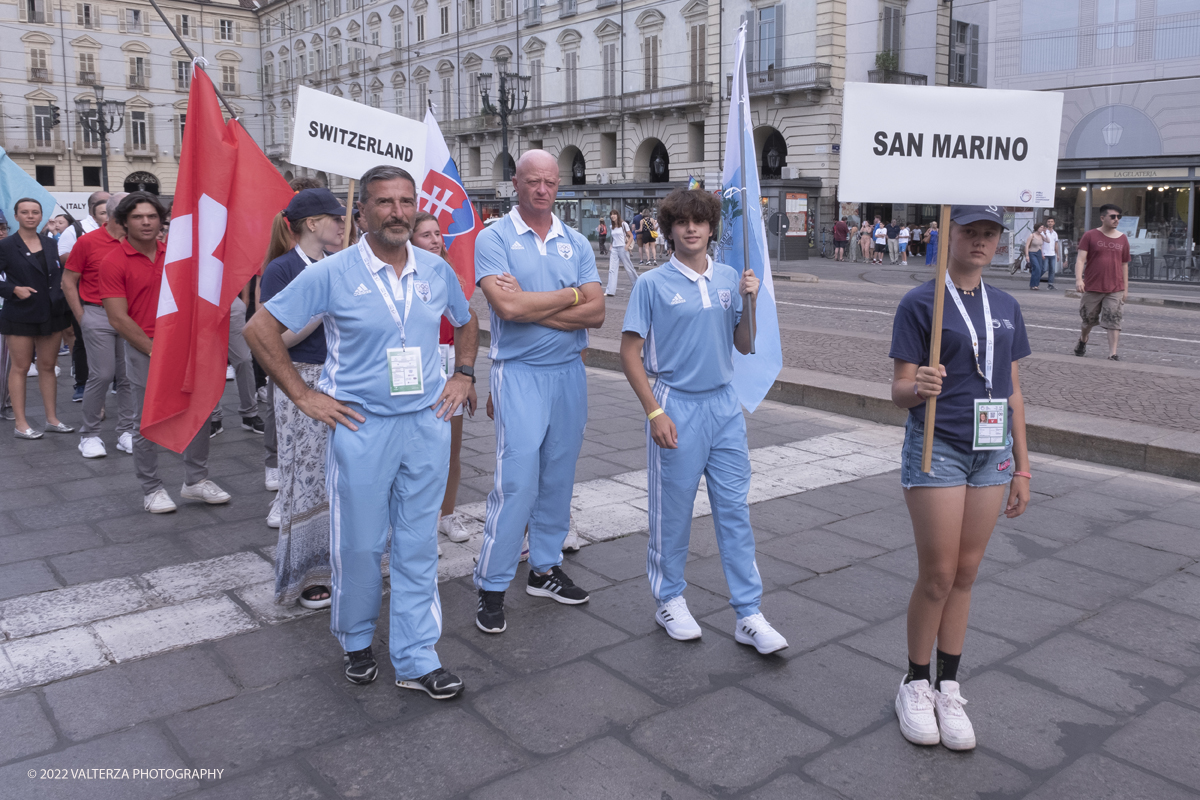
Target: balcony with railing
column 39, row 74
column 87, row 78
column 568, row 8
column 784, row 80
column 557, row 113
column 896, row 76
column 533, row 14
column 685, row 95
column 277, row 150
column 137, row 81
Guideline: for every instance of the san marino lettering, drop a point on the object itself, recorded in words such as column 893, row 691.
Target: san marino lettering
column 986, row 148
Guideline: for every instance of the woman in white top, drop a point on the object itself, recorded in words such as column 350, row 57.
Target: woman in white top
column 903, row 238
column 618, row 254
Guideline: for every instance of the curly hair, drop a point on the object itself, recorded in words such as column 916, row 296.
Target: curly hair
column 689, row 205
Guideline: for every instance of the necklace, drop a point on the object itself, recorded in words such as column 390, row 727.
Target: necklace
column 967, row 292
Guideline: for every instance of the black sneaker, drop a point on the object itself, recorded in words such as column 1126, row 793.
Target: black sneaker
column 439, row 684
column 1080, row 347
column 214, row 428
column 556, row 586
column 360, row 666
column 490, row 616
column 254, row 424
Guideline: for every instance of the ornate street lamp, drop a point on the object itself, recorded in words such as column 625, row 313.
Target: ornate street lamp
column 512, row 97
column 107, row 117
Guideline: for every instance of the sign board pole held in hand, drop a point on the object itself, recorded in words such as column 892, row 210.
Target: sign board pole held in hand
column 946, row 146
column 349, row 214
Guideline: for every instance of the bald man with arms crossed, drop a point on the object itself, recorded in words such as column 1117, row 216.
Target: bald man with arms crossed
column 539, row 277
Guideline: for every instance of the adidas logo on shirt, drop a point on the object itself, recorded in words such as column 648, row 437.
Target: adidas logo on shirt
column 517, row 246
column 361, row 290
column 677, row 299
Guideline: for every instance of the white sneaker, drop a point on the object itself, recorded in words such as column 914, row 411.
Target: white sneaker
column 32, row 373
column 679, row 623
column 452, row 526
column 573, row 541
column 957, row 731
column 262, row 394
column 92, row 447
column 439, row 549
column 229, row 373
column 207, row 491
column 754, row 630
column 274, row 516
column 914, row 709
column 125, row 442
column 158, row 502
column 272, row 479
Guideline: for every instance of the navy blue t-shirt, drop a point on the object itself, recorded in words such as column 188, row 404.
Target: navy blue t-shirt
column 963, row 384
column 278, row 274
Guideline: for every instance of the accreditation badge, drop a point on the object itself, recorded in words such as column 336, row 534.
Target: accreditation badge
column 446, row 356
column 991, row 424
column 404, row 370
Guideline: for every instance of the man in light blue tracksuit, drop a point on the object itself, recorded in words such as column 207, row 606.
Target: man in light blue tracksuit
column 540, row 281
column 683, row 321
column 383, row 394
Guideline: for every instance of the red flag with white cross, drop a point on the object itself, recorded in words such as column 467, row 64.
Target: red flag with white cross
column 225, row 200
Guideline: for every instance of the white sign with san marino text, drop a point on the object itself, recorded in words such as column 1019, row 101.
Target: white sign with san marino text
column 940, row 145
column 343, row 137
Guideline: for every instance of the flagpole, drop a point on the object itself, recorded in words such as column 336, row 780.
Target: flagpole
column 742, row 95
column 935, row 337
column 349, row 214
column 192, row 56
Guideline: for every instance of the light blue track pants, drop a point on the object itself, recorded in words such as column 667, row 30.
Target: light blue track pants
column 541, row 413
column 712, row 443
column 390, row 472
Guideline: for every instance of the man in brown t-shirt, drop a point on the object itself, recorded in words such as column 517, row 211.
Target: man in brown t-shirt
column 1102, row 279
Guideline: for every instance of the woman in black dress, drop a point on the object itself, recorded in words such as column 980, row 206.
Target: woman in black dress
column 34, row 315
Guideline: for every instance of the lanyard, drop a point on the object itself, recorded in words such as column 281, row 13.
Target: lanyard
column 387, row 294
column 308, row 262
column 985, row 373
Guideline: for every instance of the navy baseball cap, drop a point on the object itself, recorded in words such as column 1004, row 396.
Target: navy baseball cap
column 3, row 219
column 965, row 215
column 313, row 203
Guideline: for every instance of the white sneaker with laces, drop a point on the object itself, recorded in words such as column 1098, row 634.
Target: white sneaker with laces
column 452, row 526
column 679, row 623
column 125, row 442
column 755, row 631
column 957, row 731
column 207, row 491
column 573, row 541
column 158, row 502
column 229, row 373
column 92, row 447
column 914, row 709
column 274, row 515
column 271, row 479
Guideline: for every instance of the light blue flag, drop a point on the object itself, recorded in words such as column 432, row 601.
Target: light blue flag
column 741, row 217
column 16, row 183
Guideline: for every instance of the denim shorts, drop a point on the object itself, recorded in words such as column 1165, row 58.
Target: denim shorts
column 951, row 466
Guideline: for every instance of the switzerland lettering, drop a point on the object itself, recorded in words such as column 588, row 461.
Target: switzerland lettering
column 358, row 141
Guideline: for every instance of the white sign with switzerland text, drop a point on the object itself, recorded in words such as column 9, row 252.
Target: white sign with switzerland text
column 342, row 137
column 940, row 145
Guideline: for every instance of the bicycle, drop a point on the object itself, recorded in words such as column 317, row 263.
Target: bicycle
column 825, row 248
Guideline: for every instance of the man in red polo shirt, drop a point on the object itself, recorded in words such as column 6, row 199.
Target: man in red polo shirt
column 106, row 349
column 1102, row 279
column 129, row 283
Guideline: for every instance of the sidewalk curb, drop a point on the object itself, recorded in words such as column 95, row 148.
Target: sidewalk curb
column 1130, row 445
column 796, row 277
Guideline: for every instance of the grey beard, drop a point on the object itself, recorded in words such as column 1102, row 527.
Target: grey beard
column 394, row 237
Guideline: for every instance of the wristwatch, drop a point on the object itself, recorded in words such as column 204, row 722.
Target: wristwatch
column 465, row 370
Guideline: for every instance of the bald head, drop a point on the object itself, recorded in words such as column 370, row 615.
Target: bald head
column 536, row 183
column 536, row 160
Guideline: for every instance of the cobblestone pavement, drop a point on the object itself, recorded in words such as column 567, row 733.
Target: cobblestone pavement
column 1082, row 664
column 842, row 325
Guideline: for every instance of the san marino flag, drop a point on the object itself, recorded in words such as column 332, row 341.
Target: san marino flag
column 443, row 195
column 741, row 218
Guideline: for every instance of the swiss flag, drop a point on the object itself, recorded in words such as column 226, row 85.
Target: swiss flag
column 225, row 199
column 442, row 194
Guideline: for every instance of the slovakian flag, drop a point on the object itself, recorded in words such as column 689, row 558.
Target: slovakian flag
column 225, row 199
column 444, row 196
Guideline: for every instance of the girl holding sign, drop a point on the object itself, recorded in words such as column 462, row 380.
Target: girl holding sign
column 978, row 449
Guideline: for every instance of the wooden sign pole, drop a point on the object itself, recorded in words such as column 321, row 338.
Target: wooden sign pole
column 935, row 338
column 350, row 216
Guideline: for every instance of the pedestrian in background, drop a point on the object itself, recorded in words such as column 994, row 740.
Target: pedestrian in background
column 618, row 254
column 34, row 315
column 915, row 244
column 316, row 223
column 691, row 312
column 978, row 450
column 841, row 233
column 902, row 240
column 601, row 236
column 1051, row 252
column 931, row 245
column 1102, row 279
column 1034, row 257
column 893, row 242
column 865, row 242
column 881, row 242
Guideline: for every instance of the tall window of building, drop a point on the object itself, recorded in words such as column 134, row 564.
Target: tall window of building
column 964, row 57
column 135, row 20
column 398, row 99
column 87, row 69
column 420, row 99
column 229, row 79
column 697, row 50
column 374, row 102
column 444, row 15
column 447, row 110
column 650, row 61
column 225, row 30
column 137, row 72
column 1115, row 23
column 893, row 26
column 502, row 9
column 535, row 82
column 572, row 76
column 87, row 15
column 42, row 132
column 420, row 27
column 473, row 93
column 87, row 133
column 337, row 54
column 39, row 69
column 138, row 130
column 610, row 69
column 183, row 74
column 397, row 36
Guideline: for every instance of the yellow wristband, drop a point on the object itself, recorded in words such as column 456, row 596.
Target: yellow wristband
column 656, row 412
column 576, row 291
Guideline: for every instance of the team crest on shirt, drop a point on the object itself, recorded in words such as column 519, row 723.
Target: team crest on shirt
column 565, row 250
column 725, row 297
column 422, row 290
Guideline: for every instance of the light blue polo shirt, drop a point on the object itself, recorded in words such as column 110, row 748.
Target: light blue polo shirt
column 564, row 259
column 359, row 329
column 687, row 319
